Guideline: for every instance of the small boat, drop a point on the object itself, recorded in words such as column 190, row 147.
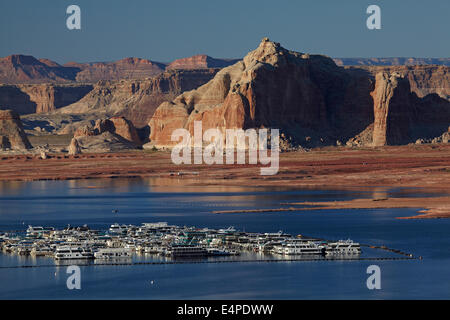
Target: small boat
column 299, row 247
column 227, row 230
column 185, row 250
column 117, row 229
column 41, row 251
column 24, row 250
column 347, row 247
column 218, row 252
column 152, row 249
column 69, row 253
column 112, row 253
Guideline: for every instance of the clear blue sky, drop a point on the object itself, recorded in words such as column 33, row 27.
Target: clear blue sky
column 166, row 30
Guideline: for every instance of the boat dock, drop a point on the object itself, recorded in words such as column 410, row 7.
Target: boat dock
column 174, row 244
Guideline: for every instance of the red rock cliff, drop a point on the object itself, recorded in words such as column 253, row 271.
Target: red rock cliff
column 311, row 99
column 137, row 99
column 270, row 87
column 12, row 134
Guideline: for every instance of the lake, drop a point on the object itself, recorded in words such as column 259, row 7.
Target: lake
column 93, row 202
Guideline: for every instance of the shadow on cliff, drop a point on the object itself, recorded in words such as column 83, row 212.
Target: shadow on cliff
column 430, row 119
column 12, row 98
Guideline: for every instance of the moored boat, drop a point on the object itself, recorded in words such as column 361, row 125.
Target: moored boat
column 113, row 253
column 347, row 247
column 69, row 252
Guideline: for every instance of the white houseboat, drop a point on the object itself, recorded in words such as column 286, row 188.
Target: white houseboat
column 347, row 247
column 113, row 253
column 70, row 252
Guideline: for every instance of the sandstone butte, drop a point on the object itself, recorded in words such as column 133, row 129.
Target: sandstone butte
column 312, row 100
column 116, row 125
column 12, row 135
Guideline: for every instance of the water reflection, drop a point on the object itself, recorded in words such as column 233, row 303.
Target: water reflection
column 380, row 193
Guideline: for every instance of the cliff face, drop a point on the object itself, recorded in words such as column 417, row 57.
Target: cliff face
column 128, row 68
column 12, row 135
column 201, row 61
column 401, row 116
column 27, row 69
column 38, row 98
column 137, row 99
column 13, row 98
column 391, row 61
column 18, row 69
column 309, row 98
column 423, row 79
column 51, row 97
column 270, row 87
column 134, row 99
column 394, row 109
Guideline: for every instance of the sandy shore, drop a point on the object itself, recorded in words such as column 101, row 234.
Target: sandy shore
column 422, row 166
column 436, row 207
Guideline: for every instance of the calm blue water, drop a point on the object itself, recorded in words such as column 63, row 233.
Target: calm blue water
column 60, row 203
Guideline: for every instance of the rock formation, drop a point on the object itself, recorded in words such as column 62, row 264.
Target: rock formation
column 201, row 61
column 27, row 69
column 119, row 126
column 43, row 154
column 313, row 101
column 49, row 97
column 13, row 98
column 391, row 61
column 12, row 134
column 392, row 99
column 116, row 125
column 137, row 99
column 105, row 142
column 270, row 87
column 401, row 117
column 4, row 143
column 20, row 69
column 128, row 68
column 84, row 131
column 74, row 147
column 423, row 79
column 39, row 98
column 107, row 135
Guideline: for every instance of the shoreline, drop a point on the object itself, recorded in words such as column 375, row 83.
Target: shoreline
column 430, row 207
column 426, row 167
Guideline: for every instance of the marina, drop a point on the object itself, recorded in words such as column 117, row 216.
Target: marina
column 63, row 208
column 173, row 243
column 122, row 241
